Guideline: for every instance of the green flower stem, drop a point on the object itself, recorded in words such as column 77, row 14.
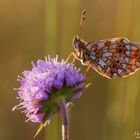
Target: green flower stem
column 65, row 120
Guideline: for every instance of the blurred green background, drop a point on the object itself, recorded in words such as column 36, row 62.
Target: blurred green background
column 31, row 29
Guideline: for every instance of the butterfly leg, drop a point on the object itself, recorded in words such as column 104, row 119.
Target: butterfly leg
column 73, row 60
column 71, row 54
column 87, row 69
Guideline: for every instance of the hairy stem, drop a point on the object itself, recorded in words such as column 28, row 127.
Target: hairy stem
column 65, row 120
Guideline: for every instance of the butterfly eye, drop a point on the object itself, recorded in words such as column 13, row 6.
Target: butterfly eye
column 77, row 45
column 76, row 42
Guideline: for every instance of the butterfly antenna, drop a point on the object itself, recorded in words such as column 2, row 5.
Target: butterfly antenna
column 83, row 17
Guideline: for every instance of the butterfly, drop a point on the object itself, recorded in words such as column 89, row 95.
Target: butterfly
column 111, row 58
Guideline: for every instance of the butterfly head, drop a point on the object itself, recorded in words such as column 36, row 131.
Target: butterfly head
column 80, row 49
column 78, row 43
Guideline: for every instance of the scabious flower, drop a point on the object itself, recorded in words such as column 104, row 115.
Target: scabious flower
column 46, row 85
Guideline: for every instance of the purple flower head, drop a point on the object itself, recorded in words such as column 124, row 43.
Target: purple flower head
column 46, row 85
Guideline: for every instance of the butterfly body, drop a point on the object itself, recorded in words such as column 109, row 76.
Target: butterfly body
column 112, row 58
